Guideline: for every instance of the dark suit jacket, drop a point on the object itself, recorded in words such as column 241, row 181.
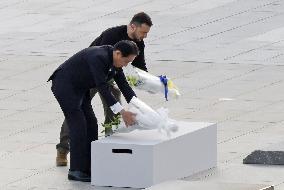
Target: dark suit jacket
column 92, row 68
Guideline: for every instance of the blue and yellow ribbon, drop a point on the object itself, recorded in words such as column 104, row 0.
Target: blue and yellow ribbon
column 164, row 80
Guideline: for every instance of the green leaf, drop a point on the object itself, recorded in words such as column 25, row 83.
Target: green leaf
column 113, row 124
column 132, row 80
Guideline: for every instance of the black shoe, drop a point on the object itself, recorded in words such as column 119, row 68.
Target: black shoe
column 79, row 176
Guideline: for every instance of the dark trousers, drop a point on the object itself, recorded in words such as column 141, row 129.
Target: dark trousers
column 63, row 145
column 81, row 120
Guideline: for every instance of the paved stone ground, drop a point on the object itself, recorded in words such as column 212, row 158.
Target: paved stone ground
column 227, row 57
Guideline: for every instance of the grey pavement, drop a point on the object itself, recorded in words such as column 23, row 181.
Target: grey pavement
column 226, row 56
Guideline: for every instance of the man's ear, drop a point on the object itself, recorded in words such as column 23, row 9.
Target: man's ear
column 133, row 27
column 117, row 53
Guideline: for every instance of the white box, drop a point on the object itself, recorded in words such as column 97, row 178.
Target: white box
column 142, row 158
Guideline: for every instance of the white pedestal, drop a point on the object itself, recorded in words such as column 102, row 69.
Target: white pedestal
column 142, row 158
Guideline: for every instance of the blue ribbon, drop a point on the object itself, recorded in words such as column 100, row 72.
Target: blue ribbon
column 164, row 80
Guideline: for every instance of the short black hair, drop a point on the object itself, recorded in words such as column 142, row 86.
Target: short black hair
column 126, row 47
column 141, row 18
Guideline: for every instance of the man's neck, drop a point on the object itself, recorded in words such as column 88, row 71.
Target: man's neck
column 130, row 35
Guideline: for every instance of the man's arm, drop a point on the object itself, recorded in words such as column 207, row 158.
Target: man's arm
column 97, row 67
column 123, row 85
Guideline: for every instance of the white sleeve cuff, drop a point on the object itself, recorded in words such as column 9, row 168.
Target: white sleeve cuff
column 116, row 108
column 133, row 99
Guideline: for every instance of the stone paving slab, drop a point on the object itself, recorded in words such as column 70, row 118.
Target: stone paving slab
column 182, row 185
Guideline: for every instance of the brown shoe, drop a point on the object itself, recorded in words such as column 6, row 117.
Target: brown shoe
column 61, row 159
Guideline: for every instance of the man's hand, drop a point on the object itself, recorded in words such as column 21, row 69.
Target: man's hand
column 128, row 117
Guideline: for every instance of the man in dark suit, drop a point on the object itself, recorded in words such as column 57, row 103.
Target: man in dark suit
column 136, row 31
column 90, row 68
